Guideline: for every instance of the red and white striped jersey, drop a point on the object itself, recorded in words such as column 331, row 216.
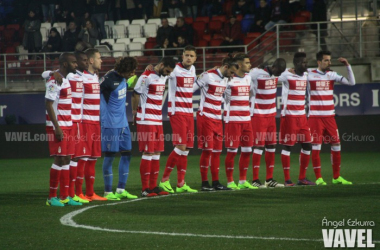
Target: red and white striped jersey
column 212, row 85
column 293, row 93
column 76, row 83
column 320, row 91
column 236, row 100
column 151, row 87
column 61, row 96
column 263, row 93
column 91, row 98
column 180, row 90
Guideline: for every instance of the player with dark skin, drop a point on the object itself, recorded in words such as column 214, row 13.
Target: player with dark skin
column 68, row 64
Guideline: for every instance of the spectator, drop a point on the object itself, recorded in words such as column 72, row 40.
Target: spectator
column 63, row 16
column 319, row 14
column 173, row 8
column 165, row 45
column 127, row 8
column 157, row 8
column 212, row 7
column 32, row 37
column 70, row 38
column 231, row 33
column 54, row 42
column 180, row 44
column 89, row 34
column 48, row 8
column 280, row 13
column 164, row 31
column 241, row 7
column 98, row 10
column 182, row 29
column 148, row 8
column 138, row 13
column 262, row 17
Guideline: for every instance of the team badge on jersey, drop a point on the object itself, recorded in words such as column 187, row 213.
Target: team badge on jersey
column 51, row 88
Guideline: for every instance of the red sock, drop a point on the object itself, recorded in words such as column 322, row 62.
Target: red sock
column 64, row 182
column 285, row 160
column 269, row 162
column 316, row 160
column 335, row 160
column 304, row 163
column 55, row 172
column 154, row 171
column 170, row 163
column 80, row 176
column 215, row 163
column 181, row 170
column 89, row 175
column 256, row 156
column 73, row 177
column 243, row 165
column 229, row 163
column 145, row 166
column 204, row 162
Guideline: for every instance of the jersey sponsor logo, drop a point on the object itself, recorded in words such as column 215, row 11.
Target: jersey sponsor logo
column 322, row 85
column 116, row 83
column 95, row 88
column 122, row 93
column 243, row 91
column 270, row 84
column 79, row 86
column 160, row 89
column 300, row 85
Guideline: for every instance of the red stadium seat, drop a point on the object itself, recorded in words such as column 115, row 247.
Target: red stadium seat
column 189, row 20
column 207, row 37
column 8, row 35
column 215, row 42
column 239, row 17
column 268, row 45
column 227, row 7
column 203, row 43
column 248, row 40
column 199, row 28
column 304, row 13
column 253, row 34
column 300, row 19
column 13, row 26
column 149, row 45
column 205, row 19
column 223, row 19
column 215, row 27
column 217, row 36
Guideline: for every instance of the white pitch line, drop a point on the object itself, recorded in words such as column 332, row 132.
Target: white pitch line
column 67, row 220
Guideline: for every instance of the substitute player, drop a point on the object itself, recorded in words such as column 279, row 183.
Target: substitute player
column 263, row 113
column 180, row 110
column 116, row 136
column 147, row 105
column 58, row 126
column 212, row 84
column 321, row 113
column 237, row 119
column 294, row 127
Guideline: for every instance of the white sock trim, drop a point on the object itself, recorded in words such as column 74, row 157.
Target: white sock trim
column 316, row 147
column 335, row 148
column 156, row 157
column 73, row 163
column 216, row 151
column 285, row 152
column 246, row 149
column 84, row 159
column 271, row 150
column 258, row 151
column 147, row 157
column 306, row 152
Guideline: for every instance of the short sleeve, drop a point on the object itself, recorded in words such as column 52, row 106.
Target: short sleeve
column 52, row 90
column 141, row 84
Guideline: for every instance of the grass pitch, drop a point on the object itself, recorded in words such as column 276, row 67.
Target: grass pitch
column 266, row 219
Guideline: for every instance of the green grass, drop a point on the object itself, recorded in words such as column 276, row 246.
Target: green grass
column 27, row 223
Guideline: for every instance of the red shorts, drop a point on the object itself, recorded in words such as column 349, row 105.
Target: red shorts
column 264, row 131
column 293, row 130
column 183, row 130
column 60, row 148
column 92, row 139
column 324, row 129
column 238, row 134
column 150, row 138
column 210, row 133
column 78, row 136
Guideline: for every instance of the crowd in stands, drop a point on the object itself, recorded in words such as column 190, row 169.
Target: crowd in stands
column 225, row 21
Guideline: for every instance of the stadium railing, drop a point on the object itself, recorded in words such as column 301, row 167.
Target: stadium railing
column 350, row 39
